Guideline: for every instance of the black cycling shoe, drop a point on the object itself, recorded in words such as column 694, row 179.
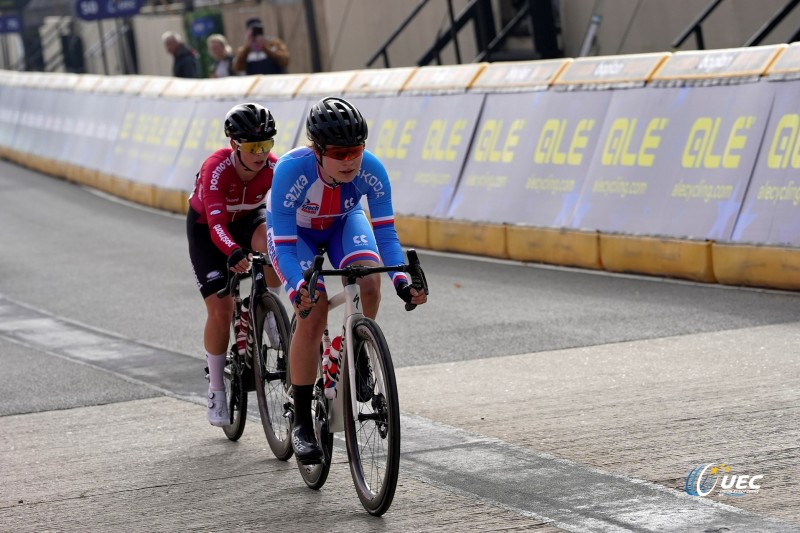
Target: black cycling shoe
column 364, row 381
column 305, row 446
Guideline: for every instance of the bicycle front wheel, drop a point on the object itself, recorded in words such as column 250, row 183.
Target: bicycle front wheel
column 373, row 435
column 271, row 371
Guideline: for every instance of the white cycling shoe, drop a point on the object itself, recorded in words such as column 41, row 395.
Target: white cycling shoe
column 217, row 412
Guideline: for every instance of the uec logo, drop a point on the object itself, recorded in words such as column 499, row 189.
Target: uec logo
column 702, row 480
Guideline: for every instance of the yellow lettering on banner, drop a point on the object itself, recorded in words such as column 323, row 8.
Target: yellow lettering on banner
column 141, row 128
column 435, row 147
column 155, row 133
column 127, row 124
column 215, row 135
column 405, row 138
column 651, row 141
column 617, row 148
column 285, row 137
column 383, row 147
column 177, row 128
column 579, row 141
column 699, row 149
column 544, row 148
column 736, row 141
column 784, row 142
column 489, row 140
column 548, row 146
column 194, row 134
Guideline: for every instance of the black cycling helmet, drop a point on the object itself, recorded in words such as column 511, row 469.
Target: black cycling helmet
column 249, row 123
column 334, row 121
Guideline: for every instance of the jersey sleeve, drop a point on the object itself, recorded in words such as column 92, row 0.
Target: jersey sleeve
column 379, row 200
column 212, row 183
column 289, row 187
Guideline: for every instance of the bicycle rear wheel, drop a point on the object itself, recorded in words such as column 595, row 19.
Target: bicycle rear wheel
column 236, row 392
column 316, row 475
column 271, row 370
column 373, row 436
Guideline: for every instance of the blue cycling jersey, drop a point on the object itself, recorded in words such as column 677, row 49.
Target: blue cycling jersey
column 301, row 201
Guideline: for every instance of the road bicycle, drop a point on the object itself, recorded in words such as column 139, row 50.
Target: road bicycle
column 258, row 357
column 366, row 405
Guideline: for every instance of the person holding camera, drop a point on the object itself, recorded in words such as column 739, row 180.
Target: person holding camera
column 261, row 54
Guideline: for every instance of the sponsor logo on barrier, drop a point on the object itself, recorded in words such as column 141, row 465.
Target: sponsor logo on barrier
column 385, row 146
column 442, row 141
column 609, row 68
column 496, row 145
column 715, row 62
column 785, row 144
column 549, row 149
column 617, row 149
column 701, row 147
column 704, row 479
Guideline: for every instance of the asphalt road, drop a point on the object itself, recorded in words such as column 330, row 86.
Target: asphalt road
column 115, row 283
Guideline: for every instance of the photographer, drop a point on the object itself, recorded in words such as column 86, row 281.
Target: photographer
column 261, row 54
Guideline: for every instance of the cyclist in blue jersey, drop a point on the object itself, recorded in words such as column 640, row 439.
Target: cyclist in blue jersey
column 315, row 203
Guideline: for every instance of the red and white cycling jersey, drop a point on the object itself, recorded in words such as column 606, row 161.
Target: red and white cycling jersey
column 220, row 196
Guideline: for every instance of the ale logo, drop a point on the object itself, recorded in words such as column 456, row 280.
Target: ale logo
column 703, row 479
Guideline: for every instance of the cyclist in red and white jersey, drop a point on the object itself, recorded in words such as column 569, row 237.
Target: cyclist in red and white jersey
column 227, row 215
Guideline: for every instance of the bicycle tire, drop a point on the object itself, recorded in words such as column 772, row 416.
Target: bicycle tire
column 316, row 475
column 235, row 392
column 373, row 437
column 271, row 376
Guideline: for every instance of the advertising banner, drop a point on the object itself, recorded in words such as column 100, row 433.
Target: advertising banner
column 771, row 209
column 529, row 158
column 92, row 126
column 36, row 107
column 206, row 134
column 11, row 101
column 422, row 141
column 675, row 162
column 149, row 139
column 105, row 9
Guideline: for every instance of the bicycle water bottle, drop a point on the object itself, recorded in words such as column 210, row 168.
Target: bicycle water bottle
column 330, row 364
column 244, row 326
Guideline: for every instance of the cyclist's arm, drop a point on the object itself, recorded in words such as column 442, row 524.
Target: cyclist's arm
column 288, row 193
column 215, row 205
column 379, row 199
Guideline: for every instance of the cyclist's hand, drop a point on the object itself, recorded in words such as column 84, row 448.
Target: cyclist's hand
column 239, row 262
column 302, row 303
column 410, row 295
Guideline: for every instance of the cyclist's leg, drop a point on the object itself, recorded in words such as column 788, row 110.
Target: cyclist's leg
column 354, row 244
column 304, row 360
column 210, row 271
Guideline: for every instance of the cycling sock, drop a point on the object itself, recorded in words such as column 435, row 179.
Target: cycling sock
column 275, row 290
column 302, row 404
column 216, row 366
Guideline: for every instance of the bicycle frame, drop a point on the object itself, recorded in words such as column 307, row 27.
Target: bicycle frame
column 350, row 296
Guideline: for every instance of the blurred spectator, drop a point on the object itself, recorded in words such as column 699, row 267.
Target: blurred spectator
column 186, row 64
column 261, row 54
column 222, row 54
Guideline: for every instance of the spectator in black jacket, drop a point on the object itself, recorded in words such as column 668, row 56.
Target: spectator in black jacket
column 186, row 64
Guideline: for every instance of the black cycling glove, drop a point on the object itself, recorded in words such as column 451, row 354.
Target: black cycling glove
column 236, row 256
column 404, row 291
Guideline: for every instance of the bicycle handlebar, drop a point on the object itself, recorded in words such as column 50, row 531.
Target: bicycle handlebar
column 418, row 280
column 256, row 258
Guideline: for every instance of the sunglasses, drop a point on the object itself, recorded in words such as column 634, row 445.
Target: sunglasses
column 260, row 147
column 343, row 153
